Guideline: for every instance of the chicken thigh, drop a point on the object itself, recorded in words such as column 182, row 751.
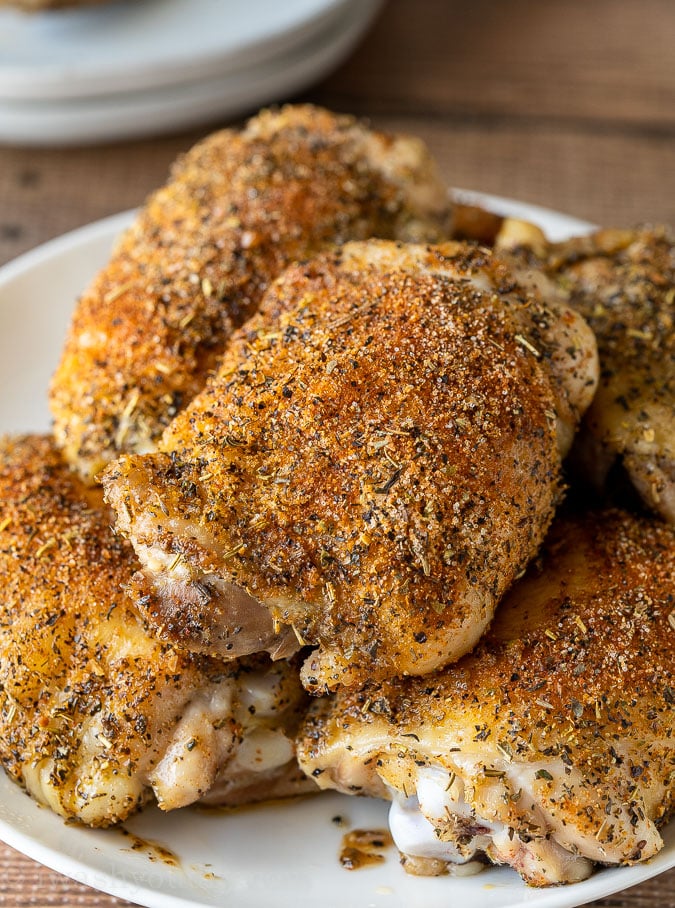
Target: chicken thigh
column 240, row 206
column 96, row 715
column 623, row 283
column 551, row 747
column 375, row 462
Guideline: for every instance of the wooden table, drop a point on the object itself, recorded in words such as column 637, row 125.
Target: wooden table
column 565, row 103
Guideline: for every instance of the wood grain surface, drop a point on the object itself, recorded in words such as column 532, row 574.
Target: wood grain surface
column 569, row 104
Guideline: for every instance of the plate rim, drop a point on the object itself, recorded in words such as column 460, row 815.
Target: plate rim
column 75, row 80
column 562, row 897
column 114, row 224
column 189, row 103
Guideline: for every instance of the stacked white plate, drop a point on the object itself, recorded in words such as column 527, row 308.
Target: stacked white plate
column 139, row 67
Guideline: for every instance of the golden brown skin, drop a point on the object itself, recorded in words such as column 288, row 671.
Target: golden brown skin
column 623, row 283
column 552, row 745
column 96, row 715
column 470, row 222
column 239, row 207
column 375, row 462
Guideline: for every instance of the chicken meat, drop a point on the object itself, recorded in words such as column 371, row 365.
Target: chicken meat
column 623, row 283
column 96, row 715
column 375, row 462
column 551, row 747
column 240, row 206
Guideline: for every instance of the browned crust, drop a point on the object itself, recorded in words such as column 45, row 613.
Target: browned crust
column 376, row 459
column 238, row 208
column 578, row 665
column 63, row 619
column 623, row 283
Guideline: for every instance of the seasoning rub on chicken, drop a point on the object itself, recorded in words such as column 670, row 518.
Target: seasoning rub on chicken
column 551, row 747
column 96, row 714
column 623, row 283
column 239, row 207
column 376, row 460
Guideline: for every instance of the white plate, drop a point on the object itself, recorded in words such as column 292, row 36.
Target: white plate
column 144, row 44
column 283, row 854
column 130, row 115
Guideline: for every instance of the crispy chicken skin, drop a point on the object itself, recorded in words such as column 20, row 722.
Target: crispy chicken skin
column 239, row 207
column 375, row 462
column 623, row 283
column 551, row 746
column 96, row 715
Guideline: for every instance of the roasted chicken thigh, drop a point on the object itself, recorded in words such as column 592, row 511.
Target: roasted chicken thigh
column 375, row 462
column 551, row 747
column 623, row 283
column 96, row 714
column 239, row 207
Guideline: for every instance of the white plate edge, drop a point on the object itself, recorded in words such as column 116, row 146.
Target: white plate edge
column 554, row 898
column 188, row 104
column 98, row 78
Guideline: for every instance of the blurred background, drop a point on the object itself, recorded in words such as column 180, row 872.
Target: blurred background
column 569, row 105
